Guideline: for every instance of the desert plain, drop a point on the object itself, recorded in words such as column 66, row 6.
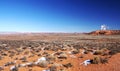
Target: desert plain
column 63, row 52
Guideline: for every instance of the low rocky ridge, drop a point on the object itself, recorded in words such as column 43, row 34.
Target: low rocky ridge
column 105, row 32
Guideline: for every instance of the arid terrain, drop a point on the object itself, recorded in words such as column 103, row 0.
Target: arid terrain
column 62, row 52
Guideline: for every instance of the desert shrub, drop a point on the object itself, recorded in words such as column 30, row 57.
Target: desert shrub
column 63, row 56
column 63, row 49
column 18, row 50
column 26, row 52
column 4, row 54
column 114, row 51
column 98, row 60
column 97, row 52
column 1, row 68
column 43, row 64
column 9, row 63
column 44, row 53
column 104, row 60
column 85, row 52
column 51, row 58
column 1, row 57
column 11, row 55
column 55, row 49
column 47, row 48
column 75, row 51
column 58, row 53
column 53, row 68
column 114, row 48
column 39, row 54
column 62, row 70
column 69, row 45
column 67, row 65
column 24, row 59
column 104, row 51
column 77, row 46
column 81, row 56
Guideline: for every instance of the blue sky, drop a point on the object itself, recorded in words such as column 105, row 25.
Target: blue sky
column 58, row 15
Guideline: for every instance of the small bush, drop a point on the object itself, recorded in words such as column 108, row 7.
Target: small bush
column 24, row 59
column 67, row 65
column 104, row 51
column 98, row 60
column 97, row 52
column 63, row 56
column 51, row 58
column 81, row 56
column 86, row 52
column 1, row 57
column 53, row 68
column 63, row 49
column 75, row 51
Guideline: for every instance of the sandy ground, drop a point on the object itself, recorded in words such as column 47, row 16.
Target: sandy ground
column 112, row 65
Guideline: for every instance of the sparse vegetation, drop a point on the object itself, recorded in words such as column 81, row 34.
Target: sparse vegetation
column 67, row 65
column 75, row 51
column 63, row 53
column 53, row 68
column 98, row 60
column 63, row 56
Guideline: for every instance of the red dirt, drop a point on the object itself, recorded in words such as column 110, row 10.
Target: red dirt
column 112, row 65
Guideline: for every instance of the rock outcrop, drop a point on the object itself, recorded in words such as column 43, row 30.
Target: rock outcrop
column 105, row 32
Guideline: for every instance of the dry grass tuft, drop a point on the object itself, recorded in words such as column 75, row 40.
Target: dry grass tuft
column 98, row 60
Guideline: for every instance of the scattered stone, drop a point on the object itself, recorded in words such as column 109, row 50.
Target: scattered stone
column 43, row 64
column 40, row 60
column 46, row 70
column 86, row 62
column 14, row 68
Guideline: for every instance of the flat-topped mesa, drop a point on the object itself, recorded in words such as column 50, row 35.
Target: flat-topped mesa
column 105, row 32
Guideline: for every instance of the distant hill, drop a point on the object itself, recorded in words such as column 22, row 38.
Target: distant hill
column 105, row 32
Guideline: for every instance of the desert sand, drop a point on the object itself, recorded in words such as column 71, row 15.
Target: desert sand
column 64, row 51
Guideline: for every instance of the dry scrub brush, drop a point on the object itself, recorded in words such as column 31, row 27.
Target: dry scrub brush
column 98, row 60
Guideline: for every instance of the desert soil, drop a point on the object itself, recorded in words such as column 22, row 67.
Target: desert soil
column 29, row 46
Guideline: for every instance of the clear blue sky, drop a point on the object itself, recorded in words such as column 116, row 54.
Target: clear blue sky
column 58, row 15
